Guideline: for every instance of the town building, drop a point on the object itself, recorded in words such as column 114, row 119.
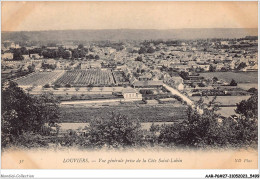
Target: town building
column 7, row 56
column 131, row 95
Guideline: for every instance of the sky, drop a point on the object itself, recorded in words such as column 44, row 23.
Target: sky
column 35, row 16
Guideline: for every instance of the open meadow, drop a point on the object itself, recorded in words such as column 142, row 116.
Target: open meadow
column 227, row 103
column 153, row 113
column 222, row 100
column 239, row 77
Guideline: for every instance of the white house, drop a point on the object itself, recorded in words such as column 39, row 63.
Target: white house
column 26, row 57
column 13, row 45
column 131, row 95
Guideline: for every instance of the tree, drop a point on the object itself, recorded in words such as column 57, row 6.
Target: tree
column 146, row 91
column 199, row 130
column 46, row 86
column 152, row 136
column 67, row 85
column 233, row 83
column 201, row 85
column 80, row 46
column 74, row 97
column 75, row 53
column 150, row 50
column 223, row 69
column 17, row 56
column 184, row 75
column 212, row 68
column 56, row 86
column 215, row 79
column 24, row 51
column 139, row 58
column 22, row 113
column 48, row 66
column 142, row 50
column 82, row 53
column 253, row 90
column 244, row 129
column 210, row 129
column 66, row 54
column 241, row 66
column 31, row 68
column 90, row 87
column 248, row 108
column 116, row 131
column 91, row 56
column 29, row 89
column 97, row 57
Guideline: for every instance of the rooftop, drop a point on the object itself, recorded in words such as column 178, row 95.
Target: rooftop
column 149, row 83
column 128, row 90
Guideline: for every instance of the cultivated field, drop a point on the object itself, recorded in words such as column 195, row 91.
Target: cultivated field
column 240, row 77
column 156, row 113
column 95, row 77
column 39, row 78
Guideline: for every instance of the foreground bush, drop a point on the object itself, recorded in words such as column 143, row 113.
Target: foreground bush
column 197, row 131
column 30, row 140
column 211, row 130
column 116, row 131
column 23, row 114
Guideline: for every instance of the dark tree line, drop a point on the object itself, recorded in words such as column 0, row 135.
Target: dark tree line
column 115, row 45
column 144, row 50
column 61, row 52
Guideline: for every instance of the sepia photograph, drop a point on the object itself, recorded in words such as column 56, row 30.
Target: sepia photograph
column 129, row 85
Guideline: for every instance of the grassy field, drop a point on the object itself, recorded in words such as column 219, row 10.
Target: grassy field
column 227, row 111
column 155, row 113
column 223, row 100
column 240, row 77
column 247, row 86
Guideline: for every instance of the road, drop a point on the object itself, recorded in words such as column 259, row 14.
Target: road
column 183, row 97
column 176, row 92
column 91, row 101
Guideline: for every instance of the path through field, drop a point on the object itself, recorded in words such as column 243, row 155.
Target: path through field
column 183, row 97
column 176, row 92
column 91, row 101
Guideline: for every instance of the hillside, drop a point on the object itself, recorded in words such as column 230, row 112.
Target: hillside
column 126, row 34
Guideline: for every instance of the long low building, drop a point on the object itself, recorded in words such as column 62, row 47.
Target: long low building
column 148, row 83
column 131, row 95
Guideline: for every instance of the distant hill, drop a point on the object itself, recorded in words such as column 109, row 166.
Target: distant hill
column 127, row 34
